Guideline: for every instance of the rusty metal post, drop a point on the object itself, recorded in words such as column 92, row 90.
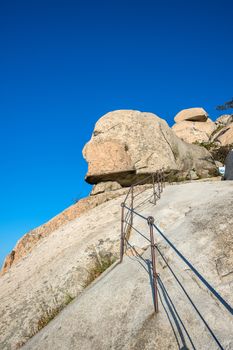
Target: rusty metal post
column 122, row 248
column 150, row 221
column 154, row 193
column 132, row 198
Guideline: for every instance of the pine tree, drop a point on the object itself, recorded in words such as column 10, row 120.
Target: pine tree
column 226, row 105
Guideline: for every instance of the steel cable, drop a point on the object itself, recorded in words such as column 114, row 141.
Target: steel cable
column 212, row 290
column 189, row 298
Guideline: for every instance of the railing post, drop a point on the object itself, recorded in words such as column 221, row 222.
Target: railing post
column 150, row 221
column 131, row 215
column 122, row 247
column 154, row 192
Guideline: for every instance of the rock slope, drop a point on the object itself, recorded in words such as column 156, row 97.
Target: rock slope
column 116, row 312
column 26, row 244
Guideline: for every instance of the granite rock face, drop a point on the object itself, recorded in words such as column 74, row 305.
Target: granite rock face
column 128, row 144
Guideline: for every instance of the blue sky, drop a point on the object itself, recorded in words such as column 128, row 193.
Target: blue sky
column 63, row 64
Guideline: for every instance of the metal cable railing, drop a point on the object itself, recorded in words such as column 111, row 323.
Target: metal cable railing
column 189, row 298
column 133, row 201
column 128, row 212
column 201, row 278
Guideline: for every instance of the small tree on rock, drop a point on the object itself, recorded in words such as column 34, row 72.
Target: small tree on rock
column 226, row 105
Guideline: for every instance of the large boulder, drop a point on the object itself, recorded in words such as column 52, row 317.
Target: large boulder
column 128, row 144
column 193, row 114
column 192, row 132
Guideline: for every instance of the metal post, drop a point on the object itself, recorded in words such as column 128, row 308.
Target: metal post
column 150, row 221
column 154, row 193
column 122, row 232
column 131, row 215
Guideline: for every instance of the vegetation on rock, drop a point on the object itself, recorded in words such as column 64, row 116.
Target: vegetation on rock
column 101, row 263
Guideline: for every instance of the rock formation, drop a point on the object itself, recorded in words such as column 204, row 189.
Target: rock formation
column 127, row 144
column 192, row 114
column 124, row 147
column 193, row 126
column 53, row 264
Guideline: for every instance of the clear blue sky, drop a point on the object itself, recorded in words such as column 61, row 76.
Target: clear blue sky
column 65, row 63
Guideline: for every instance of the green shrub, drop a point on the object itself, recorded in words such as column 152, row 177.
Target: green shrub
column 207, row 145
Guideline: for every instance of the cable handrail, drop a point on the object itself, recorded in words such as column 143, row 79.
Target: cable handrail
column 158, row 179
column 195, row 271
column 189, row 298
column 203, row 280
column 143, row 181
